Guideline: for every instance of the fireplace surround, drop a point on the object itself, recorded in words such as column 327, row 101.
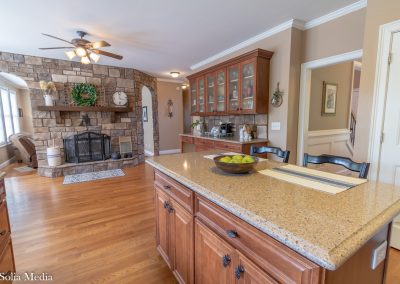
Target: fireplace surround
column 87, row 147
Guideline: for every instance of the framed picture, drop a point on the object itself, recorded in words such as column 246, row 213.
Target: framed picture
column 144, row 114
column 329, row 95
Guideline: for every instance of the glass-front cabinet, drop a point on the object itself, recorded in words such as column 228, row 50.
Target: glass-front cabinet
column 221, row 91
column 210, row 81
column 201, row 96
column 193, row 97
column 247, row 98
column 233, row 88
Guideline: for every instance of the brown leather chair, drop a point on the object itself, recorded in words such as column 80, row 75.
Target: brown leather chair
column 25, row 149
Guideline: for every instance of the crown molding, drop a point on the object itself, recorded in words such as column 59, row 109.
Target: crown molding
column 177, row 81
column 336, row 14
column 293, row 23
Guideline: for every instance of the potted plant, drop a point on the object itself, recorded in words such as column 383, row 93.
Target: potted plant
column 48, row 88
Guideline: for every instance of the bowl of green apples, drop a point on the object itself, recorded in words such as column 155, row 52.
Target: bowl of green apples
column 235, row 164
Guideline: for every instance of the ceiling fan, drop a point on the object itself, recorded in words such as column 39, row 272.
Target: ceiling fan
column 86, row 50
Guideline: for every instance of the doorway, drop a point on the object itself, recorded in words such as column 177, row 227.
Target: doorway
column 148, row 125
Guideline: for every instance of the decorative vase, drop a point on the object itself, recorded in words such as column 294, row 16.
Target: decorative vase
column 48, row 99
column 54, row 156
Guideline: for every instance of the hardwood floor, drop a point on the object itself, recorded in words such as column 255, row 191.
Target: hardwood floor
column 93, row 232
column 101, row 231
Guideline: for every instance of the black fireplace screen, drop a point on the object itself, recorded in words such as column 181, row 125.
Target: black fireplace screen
column 87, row 147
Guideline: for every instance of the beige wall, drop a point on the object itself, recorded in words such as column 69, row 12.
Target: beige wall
column 24, row 102
column 170, row 127
column 379, row 12
column 148, row 125
column 338, row 36
column 340, row 74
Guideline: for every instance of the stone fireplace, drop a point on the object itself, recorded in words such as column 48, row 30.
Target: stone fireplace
column 52, row 127
column 87, row 147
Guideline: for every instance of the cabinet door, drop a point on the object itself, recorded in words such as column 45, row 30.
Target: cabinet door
column 182, row 238
column 201, row 96
column 162, row 229
column 193, row 97
column 7, row 261
column 210, row 82
column 248, row 86
column 213, row 257
column 233, row 88
column 247, row 272
column 221, row 91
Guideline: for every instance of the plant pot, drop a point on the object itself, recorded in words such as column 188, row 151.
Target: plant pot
column 54, row 156
column 48, row 100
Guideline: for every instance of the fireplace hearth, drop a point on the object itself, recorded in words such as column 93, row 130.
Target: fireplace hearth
column 87, row 147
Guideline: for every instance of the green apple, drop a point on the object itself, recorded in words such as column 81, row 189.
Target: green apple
column 225, row 159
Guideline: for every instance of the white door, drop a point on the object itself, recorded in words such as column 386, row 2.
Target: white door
column 389, row 165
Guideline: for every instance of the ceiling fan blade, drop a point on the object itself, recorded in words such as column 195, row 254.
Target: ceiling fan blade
column 57, row 38
column 44, row 48
column 105, row 53
column 98, row 44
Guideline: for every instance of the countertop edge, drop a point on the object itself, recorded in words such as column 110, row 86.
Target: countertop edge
column 323, row 258
column 257, row 140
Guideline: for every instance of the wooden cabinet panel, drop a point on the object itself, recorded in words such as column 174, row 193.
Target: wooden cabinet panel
column 162, row 229
column 234, row 147
column 182, row 238
column 213, row 257
column 7, row 260
column 4, row 222
column 187, row 139
column 204, row 142
column 279, row 261
column 249, row 273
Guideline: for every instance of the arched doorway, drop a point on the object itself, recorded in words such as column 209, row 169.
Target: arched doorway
column 148, row 124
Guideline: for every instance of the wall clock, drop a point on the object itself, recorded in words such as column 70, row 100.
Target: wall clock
column 120, row 99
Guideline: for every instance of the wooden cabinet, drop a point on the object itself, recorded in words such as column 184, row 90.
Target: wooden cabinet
column 247, row 272
column 237, row 86
column 163, row 226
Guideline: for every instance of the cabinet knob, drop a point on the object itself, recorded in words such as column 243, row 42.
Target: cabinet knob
column 166, row 204
column 232, row 234
column 226, row 259
column 238, row 271
column 170, row 209
column 167, row 187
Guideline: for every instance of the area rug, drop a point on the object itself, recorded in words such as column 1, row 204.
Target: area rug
column 24, row 169
column 93, row 176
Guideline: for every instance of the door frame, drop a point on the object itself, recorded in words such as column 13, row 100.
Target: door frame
column 379, row 98
column 305, row 89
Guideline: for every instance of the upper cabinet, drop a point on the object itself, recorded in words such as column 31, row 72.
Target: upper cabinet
column 237, row 86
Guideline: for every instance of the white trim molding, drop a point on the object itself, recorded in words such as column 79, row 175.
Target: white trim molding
column 8, row 162
column 148, row 153
column 330, row 141
column 177, row 81
column 379, row 98
column 328, row 132
column 170, row 151
column 305, row 87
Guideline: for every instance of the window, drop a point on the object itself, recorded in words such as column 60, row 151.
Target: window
column 9, row 118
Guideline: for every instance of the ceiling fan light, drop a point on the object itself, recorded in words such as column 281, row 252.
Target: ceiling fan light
column 70, row 54
column 95, row 57
column 174, row 74
column 85, row 60
column 81, row 52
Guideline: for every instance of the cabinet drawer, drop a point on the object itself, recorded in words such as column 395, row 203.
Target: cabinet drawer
column 177, row 191
column 4, row 223
column 204, row 142
column 284, row 264
column 187, row 139
column 228, row 146
column 7, row 260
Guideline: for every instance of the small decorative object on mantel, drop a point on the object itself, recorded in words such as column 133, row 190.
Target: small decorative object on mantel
column 120, row 99
column 277, row 99
column 170, row 108
column 84, row 94
column 48, row 88
column 329, row 94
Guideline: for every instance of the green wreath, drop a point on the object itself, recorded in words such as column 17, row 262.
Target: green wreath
column 84, row 94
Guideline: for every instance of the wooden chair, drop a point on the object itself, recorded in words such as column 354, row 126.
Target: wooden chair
column 361, row 168
column 274, row 150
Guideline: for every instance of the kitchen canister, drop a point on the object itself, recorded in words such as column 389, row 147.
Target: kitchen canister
column 54, row 156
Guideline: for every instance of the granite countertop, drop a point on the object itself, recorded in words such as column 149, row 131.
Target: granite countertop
column 234, row 139
column 327, row 229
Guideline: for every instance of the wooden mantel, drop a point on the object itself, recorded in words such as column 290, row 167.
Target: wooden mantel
column 58, row 109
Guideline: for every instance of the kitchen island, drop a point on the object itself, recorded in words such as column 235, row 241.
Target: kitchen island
column 220, row 228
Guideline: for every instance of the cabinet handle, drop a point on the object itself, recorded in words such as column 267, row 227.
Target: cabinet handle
column 2, row 233
column 238, row 271
column 167, row 187
column 232, row 234
column 170, row 209
column 226, row 259
column 166, row 204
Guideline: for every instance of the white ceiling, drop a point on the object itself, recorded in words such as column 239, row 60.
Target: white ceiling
column 156, row 36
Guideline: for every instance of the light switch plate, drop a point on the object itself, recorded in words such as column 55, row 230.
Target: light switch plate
column 378, row 255
column 275, row 126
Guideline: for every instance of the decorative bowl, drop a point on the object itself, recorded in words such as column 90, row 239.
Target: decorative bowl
column 235, row 168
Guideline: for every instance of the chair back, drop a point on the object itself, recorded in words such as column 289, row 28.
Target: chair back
column 274, row 150
column 361, row 168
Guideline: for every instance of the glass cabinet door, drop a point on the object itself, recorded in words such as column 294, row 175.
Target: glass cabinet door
column 201, row 97
column 248, row 84
column 193, row 97
column 221, row 91
column 210, row 93
column 233, row 88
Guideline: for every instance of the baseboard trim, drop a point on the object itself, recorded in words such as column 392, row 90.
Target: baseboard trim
column 8, row 162
column 148, row 153
column 170, row 151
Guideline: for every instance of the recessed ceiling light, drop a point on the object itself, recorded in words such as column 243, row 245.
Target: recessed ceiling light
column 184, row 87
column 174, row 74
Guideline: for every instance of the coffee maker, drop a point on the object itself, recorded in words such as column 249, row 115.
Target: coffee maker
column 225, row 129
